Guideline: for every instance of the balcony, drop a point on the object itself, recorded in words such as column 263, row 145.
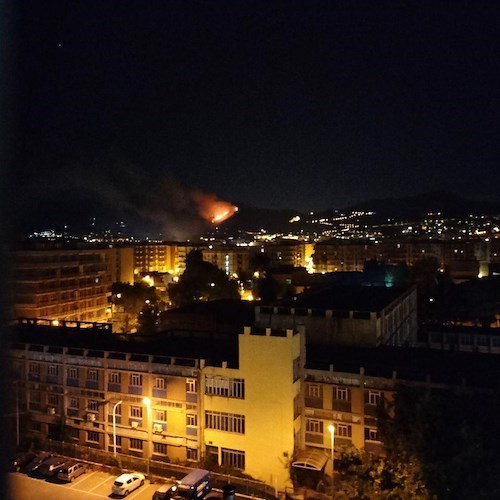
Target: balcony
column 114, row 387
column 92, row 384
column 314, row 438
column 135, row 389
column 73, row 382
column 344, row 406
column 159, row 393
column 191, row 397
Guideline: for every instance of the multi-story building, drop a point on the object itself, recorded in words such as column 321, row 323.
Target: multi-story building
column 60, row 284
column 232, row 260
column 153, row 400
column 460, row 258
column 349, row 315
column 253, row 402
column 155, row 257
column 288, row 253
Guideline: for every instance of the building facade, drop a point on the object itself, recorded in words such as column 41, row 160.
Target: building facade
column 164, row 407
column 60, row 284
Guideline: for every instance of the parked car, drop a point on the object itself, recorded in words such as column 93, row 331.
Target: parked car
column 51, row 466
column 22, row 459
column 42, row 456
column 71, row 470
column 193, row 486
column 127, row 482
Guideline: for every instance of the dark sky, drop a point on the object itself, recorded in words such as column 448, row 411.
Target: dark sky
column 304, row 105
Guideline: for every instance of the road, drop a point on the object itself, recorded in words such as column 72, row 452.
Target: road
column 91, row 485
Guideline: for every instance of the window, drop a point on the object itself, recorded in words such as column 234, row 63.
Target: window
column 53, row 399
column 192, row 419
column 160, row 415
column 343, row 430
column 228, row 422
column 34, row 369
column 342, row 394
column 192, row 454
column 93, row 405
column 314, row 390
column 233, row 458
column 136, row 444
column 74, row 433
column 191, row 385
column 111, row 443
column 136, row 411
column 74, row 403
column 114, row 377
column 315, row 426
column 160, row 383
column 53, row 370
column 92, row 437
column 374, row 397
column 72, row 372
column 224, row 386
column 136, row 379
column 371, row 434
column 93, row 375
column 160, row 448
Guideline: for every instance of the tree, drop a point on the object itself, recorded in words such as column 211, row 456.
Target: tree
column 201, row 281
column 450, row 434
column 267, row 289
column 130, row 300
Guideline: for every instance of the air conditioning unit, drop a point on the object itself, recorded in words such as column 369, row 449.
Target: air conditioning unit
column 90, row 417
column 51, row 410
column 134, row 424
column 157, row 428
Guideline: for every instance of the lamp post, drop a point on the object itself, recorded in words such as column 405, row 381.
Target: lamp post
column 17, row 412
column 149, row 424
column 114, row 426
column 331, row 428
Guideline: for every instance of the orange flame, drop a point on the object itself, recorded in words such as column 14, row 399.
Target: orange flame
column 212, row 209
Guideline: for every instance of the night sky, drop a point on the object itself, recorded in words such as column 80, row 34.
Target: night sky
column 305, row 105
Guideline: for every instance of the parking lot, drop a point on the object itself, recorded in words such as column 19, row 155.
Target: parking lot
column 92, row 484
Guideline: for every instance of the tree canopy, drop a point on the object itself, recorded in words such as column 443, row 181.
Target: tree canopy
column 201, row 281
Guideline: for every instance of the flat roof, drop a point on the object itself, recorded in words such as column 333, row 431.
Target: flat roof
column 346, row 298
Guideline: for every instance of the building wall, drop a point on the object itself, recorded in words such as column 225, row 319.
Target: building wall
column 348, row 401
column 60, row 284
column 85, row 385
column 121, row 264
column 396, row 324
column 266, row 362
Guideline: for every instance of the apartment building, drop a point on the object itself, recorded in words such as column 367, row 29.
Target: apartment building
column 60, row 283
column 232, row 260
column 254, row 402
column 348, row 315
column 152, row 400
column 461, row 258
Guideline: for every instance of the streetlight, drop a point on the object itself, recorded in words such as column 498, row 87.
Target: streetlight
column 331, row 428
column 149, row 424
column 17, row 412
column 114, row 426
